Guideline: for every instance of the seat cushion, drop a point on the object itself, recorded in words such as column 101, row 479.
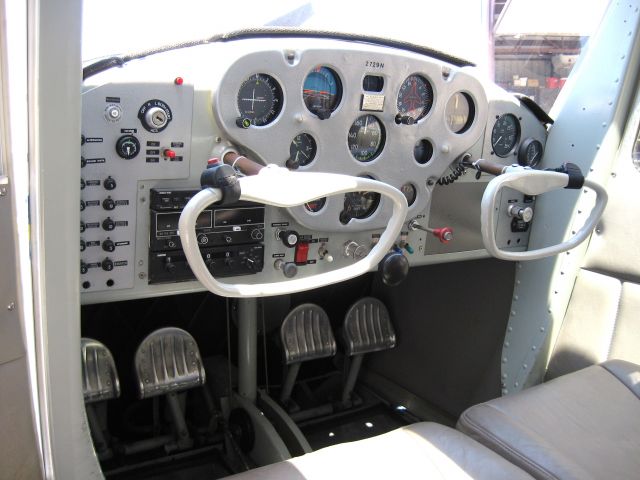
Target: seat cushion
column 584, row 425
column 423, row 450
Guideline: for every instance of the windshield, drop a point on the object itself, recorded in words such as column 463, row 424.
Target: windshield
column 125, row 26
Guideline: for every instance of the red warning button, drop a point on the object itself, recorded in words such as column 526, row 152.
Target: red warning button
column 302, row 252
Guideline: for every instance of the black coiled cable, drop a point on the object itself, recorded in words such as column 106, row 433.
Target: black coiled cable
column 457, row 171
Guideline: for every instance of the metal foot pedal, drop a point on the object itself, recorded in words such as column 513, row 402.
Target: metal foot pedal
column 99, row 383
column 367, row 328
column 167, row 362
column 306, row 335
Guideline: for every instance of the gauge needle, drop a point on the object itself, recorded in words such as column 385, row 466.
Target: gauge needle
column 253, row 98
column 366, row 124
column 497, row 141
column 534, row 157
column 296, row 159
column 303, row 153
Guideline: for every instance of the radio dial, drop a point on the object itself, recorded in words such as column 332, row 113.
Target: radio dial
column 108, row 203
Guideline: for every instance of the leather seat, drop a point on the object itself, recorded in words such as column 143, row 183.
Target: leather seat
column 584, row 425
column 423, row 450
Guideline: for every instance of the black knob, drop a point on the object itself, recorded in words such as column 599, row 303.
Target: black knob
column 108, row 203
column 394, row 268
column 290, row 269
column 82, row 245
column 404, row 119
column 243, row 122
column 229, row 262
column 127, row 147
column 109, row 183
column 82, row 227
column 289, row 238
column 82, row 205
column 169, row 266
column 83, row 268
column 82, row 139
column 107, row 264
column 82, row 184
column 255, row 264
column 108, row 245
column 292, row 164
column 83, row 162
column 108, row 224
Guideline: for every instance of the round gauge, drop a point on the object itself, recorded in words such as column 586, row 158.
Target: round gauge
column 366, row 138
column 302, row 150
column 409, row 191
column 415, row 97
column 359, row 205
column 259, row 100
column 530, row 153
column 423, row 151
column 322, row 91
column 505, row 134
column 459, row 112
column 315, row 206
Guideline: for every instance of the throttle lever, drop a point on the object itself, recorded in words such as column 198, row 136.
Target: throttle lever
column 444, row 234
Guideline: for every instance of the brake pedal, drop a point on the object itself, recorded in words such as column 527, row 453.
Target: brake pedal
column 306, row 334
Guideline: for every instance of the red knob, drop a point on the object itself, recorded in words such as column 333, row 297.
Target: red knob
column 169, row 153
column 444, row 234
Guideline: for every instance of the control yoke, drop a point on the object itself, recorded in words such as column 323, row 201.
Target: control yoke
column 273, row 185
column 533, row 182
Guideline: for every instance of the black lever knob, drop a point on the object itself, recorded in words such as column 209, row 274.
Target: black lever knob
column 394, row 268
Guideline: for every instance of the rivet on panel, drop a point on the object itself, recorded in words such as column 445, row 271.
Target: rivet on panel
column 445, row 148
column 604, row 124
column 513, row 313
column 299, row 118
column 11, row 306
column 516, row 384
column 548, row 310
column 510, row 329
column 534, row 348
column 518, row 282
column 142, row 275
column 542, row 329
column 504, row 375
column 218, row 139
column 504, row 359
column 515, row 298
column 524, row 366
column 505, row 391
column 140, row 263
column 506, row 344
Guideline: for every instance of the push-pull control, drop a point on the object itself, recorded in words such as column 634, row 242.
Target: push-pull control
column 355, row 250
column 521, row 213
column 290, row 238
column 444, row 234
column 289, row 269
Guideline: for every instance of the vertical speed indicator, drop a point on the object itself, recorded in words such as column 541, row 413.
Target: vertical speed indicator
column 259, row 101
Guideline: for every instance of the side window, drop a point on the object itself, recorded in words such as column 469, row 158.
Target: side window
column 537, row 43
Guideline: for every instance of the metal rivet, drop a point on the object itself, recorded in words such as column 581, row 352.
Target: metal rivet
column 218, row 139
column 534, row 348
column 513, row 313
column 11, row 306
column 516, row 384
column 504, row 359
column 505, row 391
column 515, row 298
column 542, row 329
column 504, row 375
column 510, row 329
column 524, row 366
column 506, row 344
column 140, row 262
column 142, row 275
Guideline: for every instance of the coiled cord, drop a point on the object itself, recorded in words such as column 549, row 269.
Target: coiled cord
column 457, row 171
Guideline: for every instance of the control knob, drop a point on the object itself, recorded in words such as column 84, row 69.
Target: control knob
column 107, row 264
column 82, row 227
column 290, row 238
column 109, row 183
column 108, row 224
column 108, row 245
column 127, row 147
column 169, row 266
column 355, row 250
column 83, row 245
column 83, row 268
column 394, row 268
column 82, row 184
column 289, row 269
column 82, row 205
column 522, row 213
column 108, row 203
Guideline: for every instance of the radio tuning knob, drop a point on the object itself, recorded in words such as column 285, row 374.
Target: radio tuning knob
column 127, row 147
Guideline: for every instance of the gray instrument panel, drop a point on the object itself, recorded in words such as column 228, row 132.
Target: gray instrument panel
column 206, row 122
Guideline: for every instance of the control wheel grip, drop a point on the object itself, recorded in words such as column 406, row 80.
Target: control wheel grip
column 280, row 187
column 533, row 182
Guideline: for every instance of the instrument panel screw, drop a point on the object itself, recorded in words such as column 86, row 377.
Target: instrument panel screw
column 142, row 275
column 3, row 191
column 11, row 306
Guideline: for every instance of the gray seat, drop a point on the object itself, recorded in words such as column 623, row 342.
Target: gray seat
column 423, row 450
column 583, row 425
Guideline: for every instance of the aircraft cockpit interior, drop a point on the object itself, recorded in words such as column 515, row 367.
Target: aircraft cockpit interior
column 319, row 240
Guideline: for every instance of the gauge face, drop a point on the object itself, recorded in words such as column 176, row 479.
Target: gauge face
column 322, row 91
column 415, row 97
column 423, row 151
column 315, row 206
column 505, row 134
column 303, row 149
column 366, row 138
column 530, row 153
column 459, row 112
column 409, row 191
column 259, row 100
column 359, row 205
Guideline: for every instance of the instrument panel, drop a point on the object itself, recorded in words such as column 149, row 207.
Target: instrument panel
column 304, row 104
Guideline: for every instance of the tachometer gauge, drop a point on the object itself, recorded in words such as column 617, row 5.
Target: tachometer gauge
column 302, row 150
column 322, row 91
column 505, row 134
column 459, row 112
column 359, row 205
column 259, row 100
column 366, row 138
column 415, row 97
column 409, row 191
column 530, row 153
column 314, row 206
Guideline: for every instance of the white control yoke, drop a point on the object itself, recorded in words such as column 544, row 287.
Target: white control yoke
column 533, row 182
column 277, row 186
